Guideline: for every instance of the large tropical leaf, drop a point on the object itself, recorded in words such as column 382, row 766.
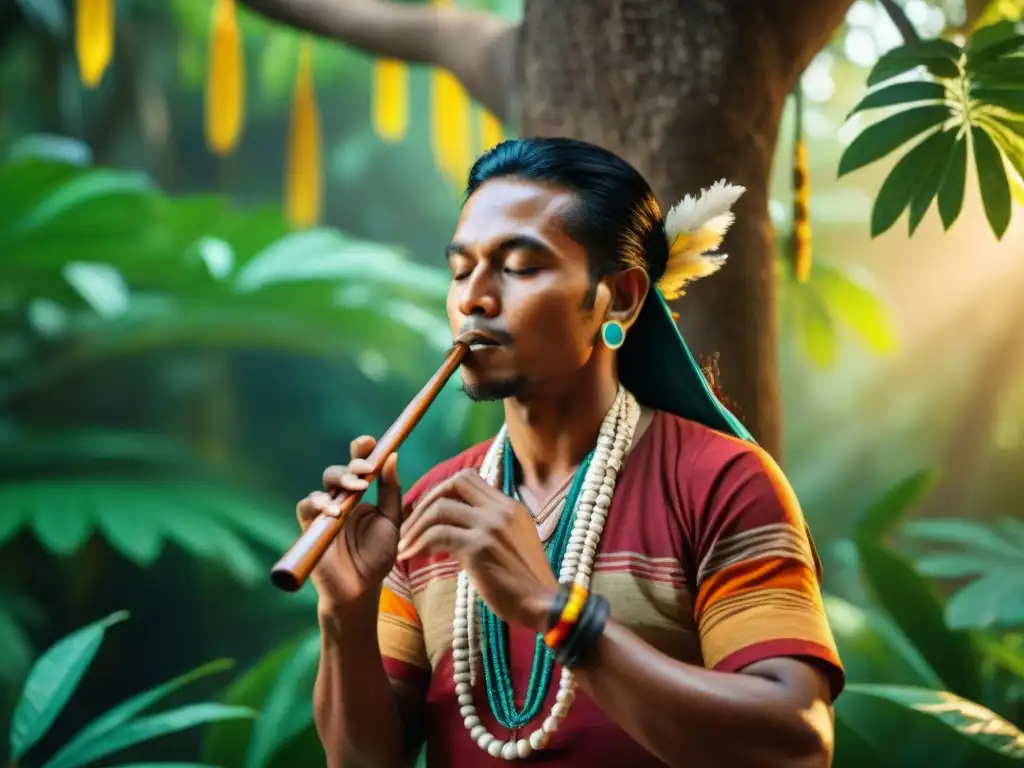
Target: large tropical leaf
column 52, row 681
column 837, row 299
column 17, row 614
column 115, row 718
column 917, row 726
column 873, row 648
column 280, row 686
column 993, row 558
column 888, row 512
column 287, row 710
column 138, row 492
column 915, row 608
column 152, row 727
column 971, row 93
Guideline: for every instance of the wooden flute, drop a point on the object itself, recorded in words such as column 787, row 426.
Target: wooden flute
column 292, row 570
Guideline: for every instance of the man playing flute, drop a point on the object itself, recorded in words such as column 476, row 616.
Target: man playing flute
column 621, row 577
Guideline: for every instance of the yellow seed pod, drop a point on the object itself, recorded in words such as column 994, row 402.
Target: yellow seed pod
column 94, row 38
column 303, row 180
column 225, row 84
column 390, row 99
column 801, row 213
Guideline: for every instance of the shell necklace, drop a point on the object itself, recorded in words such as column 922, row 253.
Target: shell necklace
column 613, row 441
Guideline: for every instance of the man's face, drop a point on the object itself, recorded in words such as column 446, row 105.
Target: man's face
column 519, row 278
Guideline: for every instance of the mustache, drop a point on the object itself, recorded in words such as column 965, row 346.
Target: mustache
column 495, row 334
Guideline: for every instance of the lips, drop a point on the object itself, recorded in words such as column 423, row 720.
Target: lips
column 479, row 340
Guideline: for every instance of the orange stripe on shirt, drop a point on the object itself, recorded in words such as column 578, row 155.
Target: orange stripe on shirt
column 394, row 605
column 750, row 575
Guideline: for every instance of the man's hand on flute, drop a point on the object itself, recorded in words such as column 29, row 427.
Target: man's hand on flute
column 357, row 561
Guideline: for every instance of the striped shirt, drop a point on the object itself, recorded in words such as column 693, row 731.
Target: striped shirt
column 705, row 556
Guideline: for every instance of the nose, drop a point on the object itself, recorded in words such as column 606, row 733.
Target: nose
column 480, row 296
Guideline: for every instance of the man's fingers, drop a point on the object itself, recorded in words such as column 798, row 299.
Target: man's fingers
column 389, row 492
column 360, row 447
column 466, row 485
column 311, row 506
column 343, row 479
column 441, row 539
column 443, row 512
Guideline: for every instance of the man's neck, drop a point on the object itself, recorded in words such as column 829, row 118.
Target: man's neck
column 551, row 434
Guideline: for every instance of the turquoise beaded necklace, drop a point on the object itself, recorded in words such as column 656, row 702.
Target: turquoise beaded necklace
column 494, row 632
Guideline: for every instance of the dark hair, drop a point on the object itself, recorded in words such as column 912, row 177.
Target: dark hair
column 617, row 220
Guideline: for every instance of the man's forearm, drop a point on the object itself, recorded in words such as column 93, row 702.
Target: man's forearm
column 355, row 706
column 688, row 715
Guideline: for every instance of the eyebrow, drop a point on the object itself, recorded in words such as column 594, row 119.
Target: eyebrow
column 515, row 243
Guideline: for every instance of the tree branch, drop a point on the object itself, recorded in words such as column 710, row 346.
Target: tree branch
column 900, row 20
column 478, row 48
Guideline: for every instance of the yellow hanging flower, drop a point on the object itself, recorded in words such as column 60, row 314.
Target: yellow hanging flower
column 225, row 85
column 303, row 182
column 94, row 38
column 491, row 130
column 390, row 97
column 801, row 213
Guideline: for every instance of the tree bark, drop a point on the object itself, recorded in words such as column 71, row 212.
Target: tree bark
column 689, row 91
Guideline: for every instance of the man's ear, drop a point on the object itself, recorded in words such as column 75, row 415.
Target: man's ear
column 628, row 290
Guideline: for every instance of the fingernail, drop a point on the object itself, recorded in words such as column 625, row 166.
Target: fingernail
column 402, row 544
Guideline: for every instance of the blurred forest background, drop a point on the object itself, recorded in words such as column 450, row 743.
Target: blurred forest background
column 178, row 363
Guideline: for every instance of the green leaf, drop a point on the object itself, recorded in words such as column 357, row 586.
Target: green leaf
column 969, row 535
column 885, row 136
column 951, row 193
column 929, row 183
column 992, row 43
column 992, row 180
column 999, row 74
column 52, row 682
column 63, row 530
column 153, row 727
column 855, row 751
column 895, row 504
column 905, row 178
column 994, row 600
column 128, row 709
column 1011, row 100
column 323, row 254
column 951, row 565
column 916, row 726
column 27, row 183
column 166, row 765
column 63, row 149
column 901, row 93
column 291, row 688
column 1009, row 137
column 226, row 743
column 83, row 189
column 911, row 604
column 851, row 297
column 814, row 329
column 874, row 649
column 939, row 56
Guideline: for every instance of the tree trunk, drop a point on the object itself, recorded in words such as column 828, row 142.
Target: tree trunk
column 688, row 92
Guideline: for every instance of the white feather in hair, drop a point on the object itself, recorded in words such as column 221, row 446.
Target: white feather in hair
column 695, row 227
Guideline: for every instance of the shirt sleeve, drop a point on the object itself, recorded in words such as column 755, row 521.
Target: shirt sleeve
column 399, row 630
column 758, row 575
